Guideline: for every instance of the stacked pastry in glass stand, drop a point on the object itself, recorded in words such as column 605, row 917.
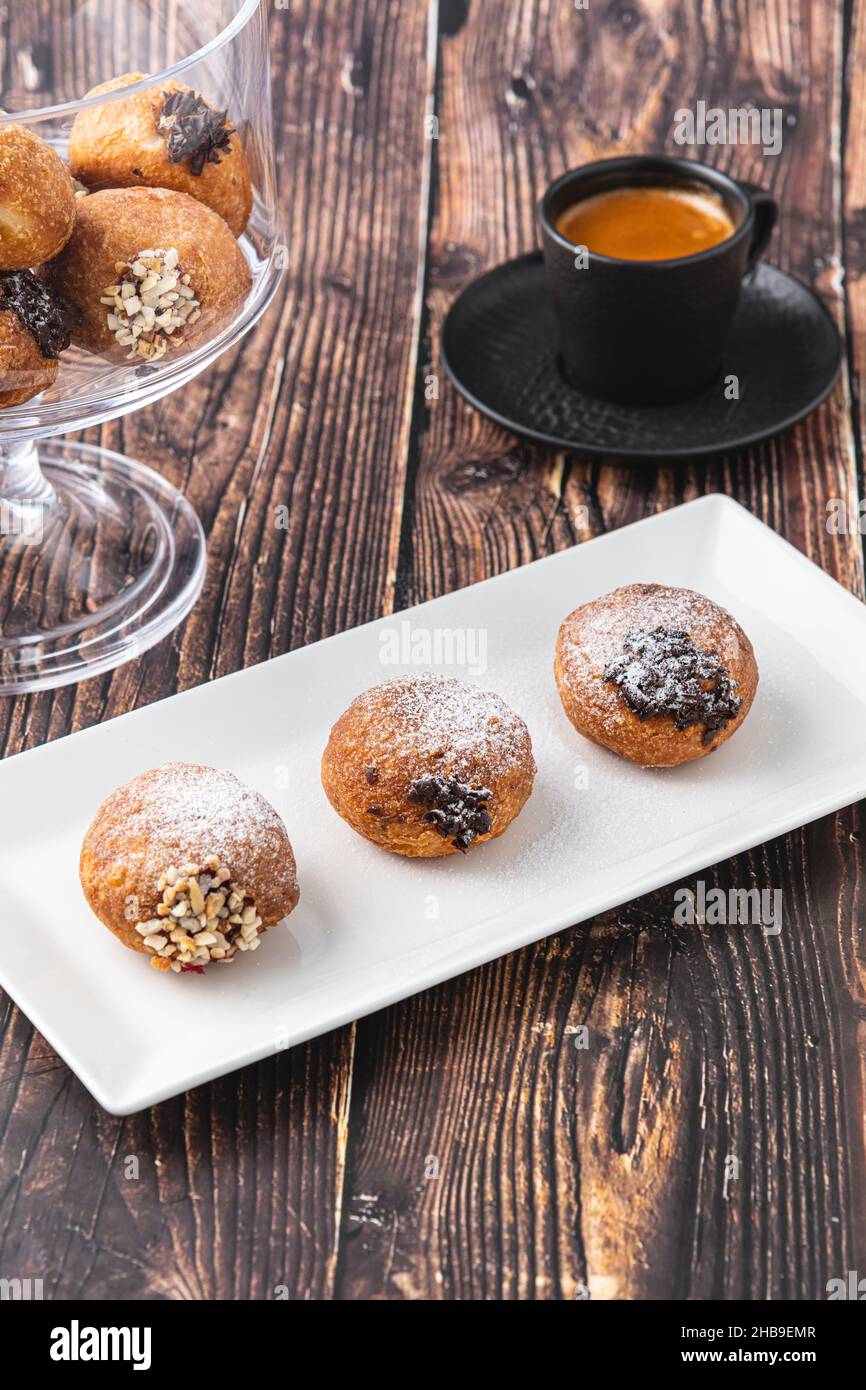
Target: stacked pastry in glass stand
column 130, row 250
column 139, row 239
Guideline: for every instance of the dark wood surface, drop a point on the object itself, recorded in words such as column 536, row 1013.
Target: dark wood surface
column 710, row 1141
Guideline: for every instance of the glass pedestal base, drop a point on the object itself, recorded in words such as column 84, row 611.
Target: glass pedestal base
column 100, row 558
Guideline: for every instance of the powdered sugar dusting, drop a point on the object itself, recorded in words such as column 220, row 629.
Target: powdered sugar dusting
column 447, row 722
column 186, row 813
column 594, row 640
column 204, row 807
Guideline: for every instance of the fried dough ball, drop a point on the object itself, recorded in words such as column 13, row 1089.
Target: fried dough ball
column 146, row 273
column 37, row 200
column 427, row 765
column 187, row 865
column 32, row 336
column 166, row 136
column 659, row 675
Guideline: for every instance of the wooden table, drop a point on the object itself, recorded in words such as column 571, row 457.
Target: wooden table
column 712, row 1144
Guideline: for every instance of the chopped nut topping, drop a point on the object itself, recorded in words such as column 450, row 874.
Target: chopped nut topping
column 209, row 918
column 151, row 304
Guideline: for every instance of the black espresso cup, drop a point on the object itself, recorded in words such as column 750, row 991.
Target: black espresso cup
column 649, row 331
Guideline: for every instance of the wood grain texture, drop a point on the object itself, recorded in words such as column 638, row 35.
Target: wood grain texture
column 240, row 1183
column 708, row 1143
column 631, row 1109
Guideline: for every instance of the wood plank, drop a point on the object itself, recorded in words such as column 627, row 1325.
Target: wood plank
column 52, row 51
column 240, row 1183
column 709, row 1141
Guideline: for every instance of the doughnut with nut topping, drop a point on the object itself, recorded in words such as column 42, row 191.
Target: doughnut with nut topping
column 187, row 865
column 148, row 272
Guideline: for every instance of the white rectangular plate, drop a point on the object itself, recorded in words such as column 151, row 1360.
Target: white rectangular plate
column 372, row 928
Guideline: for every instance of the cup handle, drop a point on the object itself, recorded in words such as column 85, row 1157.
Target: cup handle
column 766, row 211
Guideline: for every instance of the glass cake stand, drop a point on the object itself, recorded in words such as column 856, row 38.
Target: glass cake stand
column 101, row 557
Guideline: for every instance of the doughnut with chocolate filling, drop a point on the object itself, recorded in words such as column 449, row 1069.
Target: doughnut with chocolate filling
column 163, row 137
column 147, row 272
column 428, row 766
column 187, row 865
column 37, row 200
column 33, row 334
column 659, row 675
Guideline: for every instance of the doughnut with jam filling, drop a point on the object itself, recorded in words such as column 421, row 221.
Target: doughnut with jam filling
column 659, row 675
column 428, row 766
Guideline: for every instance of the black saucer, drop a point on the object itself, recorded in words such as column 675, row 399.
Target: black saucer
column 499, row 348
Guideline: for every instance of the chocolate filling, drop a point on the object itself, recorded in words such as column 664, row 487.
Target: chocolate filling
column 377, row 811
column 456, row 809
column 195, row 131
column 38, row 310
column 662, row 673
